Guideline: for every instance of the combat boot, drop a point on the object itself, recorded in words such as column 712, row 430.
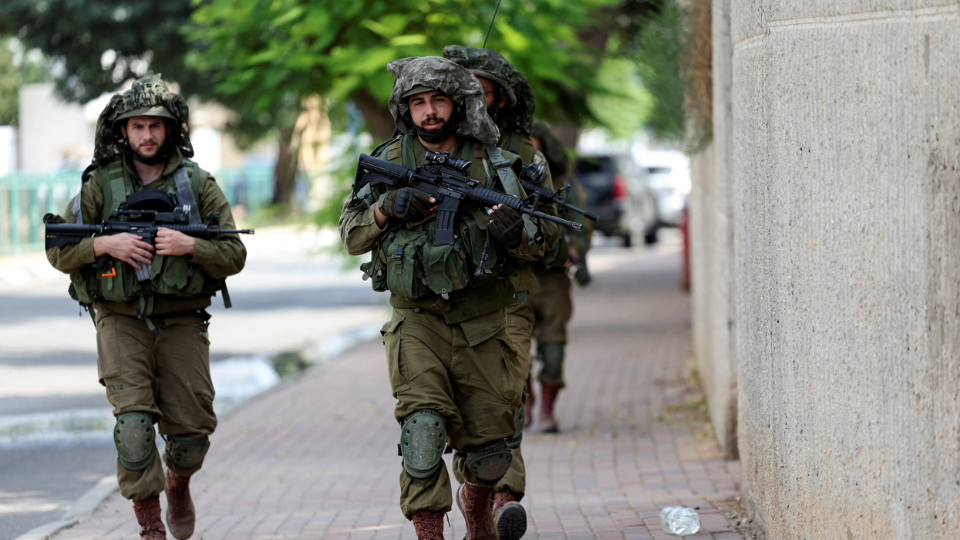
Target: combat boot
column 548, row 396
column 474, row 503
column 181, row 516
column 429, row 525
column 510, row 517
column 148, row 516
column 528, row 405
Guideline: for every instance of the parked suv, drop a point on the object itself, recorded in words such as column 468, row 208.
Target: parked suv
column 618, row 192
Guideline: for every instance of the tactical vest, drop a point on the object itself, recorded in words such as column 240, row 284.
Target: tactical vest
column 520, row 145
column 405, row 260
column 173, row 276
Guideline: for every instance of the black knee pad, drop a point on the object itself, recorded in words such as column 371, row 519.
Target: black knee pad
column 489, row 463
column 185, row 452
column 422, row 441
column 135, row 438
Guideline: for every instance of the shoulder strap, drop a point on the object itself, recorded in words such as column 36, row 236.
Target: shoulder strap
column 527, row 150
column 114, row 186
column 378, row 151
column 186, row 188
column 402, row 152
column 77, row 211
column 504, row 170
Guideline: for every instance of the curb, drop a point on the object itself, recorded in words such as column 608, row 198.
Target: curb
column 87, row 504
column 46, row 531
column 83, row 507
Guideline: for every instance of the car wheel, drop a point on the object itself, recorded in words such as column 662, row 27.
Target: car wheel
column 650, row 236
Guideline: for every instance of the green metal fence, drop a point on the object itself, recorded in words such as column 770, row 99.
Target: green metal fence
column 25, row 198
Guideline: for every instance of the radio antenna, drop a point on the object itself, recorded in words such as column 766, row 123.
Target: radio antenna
column 491, row 24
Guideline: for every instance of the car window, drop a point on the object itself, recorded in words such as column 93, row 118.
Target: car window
column 591, row 165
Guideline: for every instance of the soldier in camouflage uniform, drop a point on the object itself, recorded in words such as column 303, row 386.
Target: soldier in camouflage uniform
column 511, row 104
column 453, row 369
column 152, row 342
column 552, row 303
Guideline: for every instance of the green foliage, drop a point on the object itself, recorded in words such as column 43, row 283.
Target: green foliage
column 625, row 109
column 658, row 49
column 275, row 52
column 17, row 67
column 143, row 35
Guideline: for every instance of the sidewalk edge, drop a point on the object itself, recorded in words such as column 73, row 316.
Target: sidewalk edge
column 87, row 504
column 44, row 532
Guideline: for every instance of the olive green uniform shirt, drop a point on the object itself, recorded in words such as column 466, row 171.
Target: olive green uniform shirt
column 218, row 258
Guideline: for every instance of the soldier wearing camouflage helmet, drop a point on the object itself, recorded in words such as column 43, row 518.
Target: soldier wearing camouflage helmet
column 511, row 104
column 453, row 369
column 152, row 342
column 552, row 303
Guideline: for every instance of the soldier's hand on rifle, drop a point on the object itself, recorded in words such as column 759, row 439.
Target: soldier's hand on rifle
column 125, row 247
column 171, row 242
column 407, row 204
column 506, row 224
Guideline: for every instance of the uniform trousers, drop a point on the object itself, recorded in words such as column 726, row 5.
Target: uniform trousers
column 167, row 376
column 468, row 372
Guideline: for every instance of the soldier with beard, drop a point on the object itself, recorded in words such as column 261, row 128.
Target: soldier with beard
column 453, row 369
column 511, row 104
column 153, row 352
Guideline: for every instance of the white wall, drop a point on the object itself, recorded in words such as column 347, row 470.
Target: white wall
column 8, row 150
column 53, row 135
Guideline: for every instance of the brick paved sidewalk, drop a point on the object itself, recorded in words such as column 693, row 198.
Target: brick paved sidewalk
column 317, row 458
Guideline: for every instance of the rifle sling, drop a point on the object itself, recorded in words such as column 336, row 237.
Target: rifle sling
column 185, row 193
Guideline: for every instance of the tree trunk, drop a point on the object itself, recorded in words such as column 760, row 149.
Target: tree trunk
column 376, row 115
column 288, row 161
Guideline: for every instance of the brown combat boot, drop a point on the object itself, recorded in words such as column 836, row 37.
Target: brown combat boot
column 548, row 396
column 474, row 503
column 181, row 516
column 429, row 525
column 148, row 516
column 528, row 405
column 510, row 517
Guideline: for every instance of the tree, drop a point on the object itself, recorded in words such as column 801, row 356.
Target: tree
column 278, row 51
column 99, row 45
column 17, row 67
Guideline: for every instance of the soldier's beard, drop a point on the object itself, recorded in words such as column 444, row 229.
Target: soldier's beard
column 435, row 136
column 162, row 155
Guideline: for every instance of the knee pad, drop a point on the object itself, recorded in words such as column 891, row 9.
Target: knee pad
column 489, row 463
column 551, row 354
column 422, row 442
column 519, row 418
column 135, row 438
column 185, row 452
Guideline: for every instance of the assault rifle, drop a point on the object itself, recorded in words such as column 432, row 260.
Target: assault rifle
column 531, row 177
column 143, row 223
column 443, row 178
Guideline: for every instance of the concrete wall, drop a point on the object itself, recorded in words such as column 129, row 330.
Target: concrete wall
column 712, row 248
column 846, row 186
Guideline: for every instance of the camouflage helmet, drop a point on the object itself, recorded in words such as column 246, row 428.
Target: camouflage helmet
column 552, row 149
column 435, row 73
column 148, row 96
column 521, row 103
